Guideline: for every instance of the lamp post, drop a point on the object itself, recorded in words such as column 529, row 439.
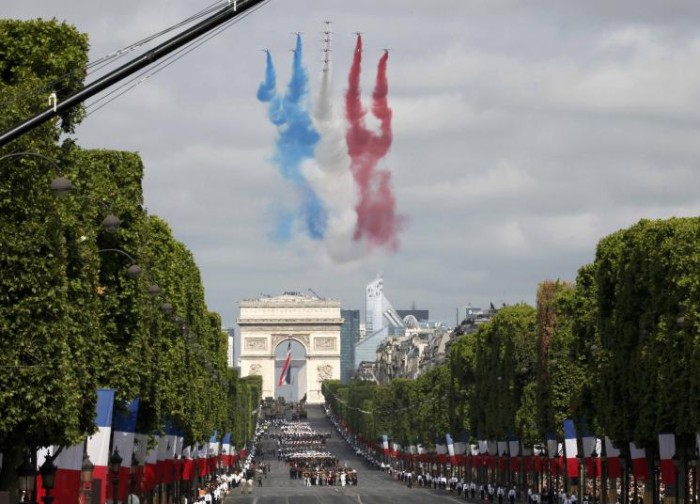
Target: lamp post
column 594, row 469
column 581, row 475
column 625, row 478
column 48, row 478
column 86, row 476
column 132, row 474
column 26, row 479
column 115, row 464
column 676, row 465
column 134, row 271
column 604, row 479
column 60, row 185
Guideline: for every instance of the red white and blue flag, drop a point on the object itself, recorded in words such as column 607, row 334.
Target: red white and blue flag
column 286, row 376
column 667, row 449
column 98, row 443
column 123, row 437
column 570, row 448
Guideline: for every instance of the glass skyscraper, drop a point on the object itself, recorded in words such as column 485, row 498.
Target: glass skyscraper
column 349, row 336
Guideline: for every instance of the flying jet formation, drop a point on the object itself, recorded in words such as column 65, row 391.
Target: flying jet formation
column 265, row 49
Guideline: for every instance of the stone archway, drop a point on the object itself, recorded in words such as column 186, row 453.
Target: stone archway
column 314, row 323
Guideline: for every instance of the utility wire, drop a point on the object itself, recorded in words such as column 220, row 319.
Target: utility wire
column 163, row 64
column 108, row 59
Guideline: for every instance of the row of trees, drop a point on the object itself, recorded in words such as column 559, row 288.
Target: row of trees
column 618, row 351
column 71, row 320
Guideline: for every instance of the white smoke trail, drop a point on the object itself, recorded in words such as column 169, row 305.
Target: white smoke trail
column 331, row 178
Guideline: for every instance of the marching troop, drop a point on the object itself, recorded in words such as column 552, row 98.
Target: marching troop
column 303, row 449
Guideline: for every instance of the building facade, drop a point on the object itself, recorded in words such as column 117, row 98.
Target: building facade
column 349, row 336
column 270, row 321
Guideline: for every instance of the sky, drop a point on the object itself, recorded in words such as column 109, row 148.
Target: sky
column 523, row 133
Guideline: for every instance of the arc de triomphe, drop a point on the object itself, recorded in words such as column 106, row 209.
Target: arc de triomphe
column 266, row 322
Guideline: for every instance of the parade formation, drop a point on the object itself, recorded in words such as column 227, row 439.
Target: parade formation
column 304, row 451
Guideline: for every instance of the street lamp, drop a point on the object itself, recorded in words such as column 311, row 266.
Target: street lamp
column 132, row 472
column 676, row 465
column 60, row 186
column 48, row 478
column 26, row 478
column 134, row 271
column 115, row 464
column 86, row 475
column 594, row 468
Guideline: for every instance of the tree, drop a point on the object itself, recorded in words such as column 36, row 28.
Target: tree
column 648, row 291
column 42, row 392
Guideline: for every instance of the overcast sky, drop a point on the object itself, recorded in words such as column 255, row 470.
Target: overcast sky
column 524, row 132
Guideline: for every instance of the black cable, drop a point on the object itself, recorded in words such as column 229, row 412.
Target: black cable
column 162, row 65
column 172, row 44
column 110, row 58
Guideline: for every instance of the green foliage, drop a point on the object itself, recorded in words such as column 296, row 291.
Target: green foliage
column 462, row 366
column 648, row 292
column 37, row 58
column 505, row 354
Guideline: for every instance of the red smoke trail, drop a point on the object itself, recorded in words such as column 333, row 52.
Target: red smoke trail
column 376, row 210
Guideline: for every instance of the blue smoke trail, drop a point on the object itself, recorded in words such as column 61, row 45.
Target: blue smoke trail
column 296, row 142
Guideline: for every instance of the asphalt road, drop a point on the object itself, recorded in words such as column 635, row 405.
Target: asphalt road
column 373, row 485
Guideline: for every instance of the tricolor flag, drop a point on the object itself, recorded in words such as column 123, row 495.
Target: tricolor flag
column 570, row 448
column 451, row 449
column 502, row 453
column 286, row 376
column 441, row 450
column 140, row 450
column 461, row 445
column 98, row 444
column 202, row 456
column 67, row 480
column 640, row 468
column 667, row 448
column 420, row 450
column 187, row 471
column 514, row 451
column 385, row 444
column 591, row 452
column 150, row 466
column 124, row 427
column 226, row 451
column 613, row 459
column 213, row 452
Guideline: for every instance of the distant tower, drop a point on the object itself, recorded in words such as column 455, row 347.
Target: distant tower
column 381, row 320
column 349, row 336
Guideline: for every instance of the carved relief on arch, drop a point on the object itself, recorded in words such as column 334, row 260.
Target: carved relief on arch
column 302, row 338
column 255, row 343
column 255, row 369
column 324, row 343
column 325, row 372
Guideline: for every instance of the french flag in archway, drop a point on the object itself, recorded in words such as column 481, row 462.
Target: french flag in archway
column 286, row 376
